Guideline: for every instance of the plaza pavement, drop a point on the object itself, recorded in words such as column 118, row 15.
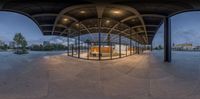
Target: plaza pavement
column 46, row 75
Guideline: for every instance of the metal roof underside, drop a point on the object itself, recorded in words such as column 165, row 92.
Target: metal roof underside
column 135, row 19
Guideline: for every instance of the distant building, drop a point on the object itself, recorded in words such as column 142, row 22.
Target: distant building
column 12, row 44
column 2, row 43
column 197, row 48
column 184, row 46
column 45, row 43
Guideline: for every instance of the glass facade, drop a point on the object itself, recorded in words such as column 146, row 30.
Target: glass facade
column 101, row 46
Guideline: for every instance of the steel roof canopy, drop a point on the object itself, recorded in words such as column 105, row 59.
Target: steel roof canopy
column 141, row 17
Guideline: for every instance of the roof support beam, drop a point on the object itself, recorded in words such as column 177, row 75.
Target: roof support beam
column 123, row 20
column 48, row 25
column 153, row 15
column 143, row 32
column 50, row 31
column 85, row 28
column 100, row 10
column 148, row 15
column 66, row 10
column 136, row 13
column 136, row 33
column 129, row 18
column 113, row 27
column 80, row 24
column 44, row 14
column 53, row 15
column 139, row 26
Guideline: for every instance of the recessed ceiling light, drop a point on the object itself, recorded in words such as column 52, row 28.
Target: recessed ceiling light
column 116, row 12
column 77, row 24
column 82, row 12
column 107, row 21
column 65, row 19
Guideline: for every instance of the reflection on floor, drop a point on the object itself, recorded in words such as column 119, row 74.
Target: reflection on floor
column 84, row 55
column 56, row 76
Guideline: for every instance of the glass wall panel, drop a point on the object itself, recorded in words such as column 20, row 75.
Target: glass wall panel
column 75, row 48
column 71, row 46
column 112, row 47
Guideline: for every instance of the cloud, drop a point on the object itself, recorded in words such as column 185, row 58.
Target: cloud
column 187, row 36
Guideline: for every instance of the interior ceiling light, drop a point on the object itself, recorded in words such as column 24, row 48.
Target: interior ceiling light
column 107, row 21
column 65, row 19
column 116, row 12
column 82, row 12
column 77, row 24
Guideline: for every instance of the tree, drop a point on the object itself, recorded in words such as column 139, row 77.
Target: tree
column 160, row 47
column 87, row 40
column 20, row 42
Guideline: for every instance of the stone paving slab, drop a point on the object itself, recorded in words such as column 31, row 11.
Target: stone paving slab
column 57, row 76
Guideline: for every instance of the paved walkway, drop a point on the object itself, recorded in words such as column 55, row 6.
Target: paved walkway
column 38, row 76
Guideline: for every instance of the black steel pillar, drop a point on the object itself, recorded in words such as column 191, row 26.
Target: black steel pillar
column 68, row 45
column 133, row 48
column 143, row 48
column 130, row 44
column 138, row 49
column 167, row 40
column 72, row 49
column 76, row 46
column 88, row 50
column 120, row 43
column 99, row 42
column 151, row 47
column 111, row 50
column 79, row 42
column 126, row 49
column 130, row 47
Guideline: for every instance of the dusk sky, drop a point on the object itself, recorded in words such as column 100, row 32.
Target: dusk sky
column 185, row 28
column 12, row 23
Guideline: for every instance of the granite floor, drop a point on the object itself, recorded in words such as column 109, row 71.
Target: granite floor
column 41, row 75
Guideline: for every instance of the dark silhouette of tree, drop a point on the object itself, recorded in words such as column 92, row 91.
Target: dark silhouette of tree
column 21, row 43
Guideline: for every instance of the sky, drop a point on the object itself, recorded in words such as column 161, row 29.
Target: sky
column 185, row 29
column 12, row 23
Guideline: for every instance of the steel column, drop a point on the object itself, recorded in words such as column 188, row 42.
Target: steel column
column 79, row 32
column 138, row 50
column 99, row 42
column 126, row 49
column 133, row 48
column 111, row 50
column 120, row 53
column 72, row 49
column 88, row 50
column 68, row 45
column 167, row 40
column 76, row 46
column 130, row 46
